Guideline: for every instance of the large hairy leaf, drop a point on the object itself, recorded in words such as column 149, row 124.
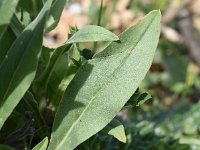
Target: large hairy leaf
column 19, row 66
column 92, row 33
column 104, row 84
column 7, row 9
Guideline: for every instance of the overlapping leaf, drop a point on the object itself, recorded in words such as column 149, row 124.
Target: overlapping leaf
column 92, row 33
column 116, row 129
column 40, row 84
column 19, row 66
column 55, row 13
column 104, row 84
column 42, row 145
column 7, row 9
column 33, row 7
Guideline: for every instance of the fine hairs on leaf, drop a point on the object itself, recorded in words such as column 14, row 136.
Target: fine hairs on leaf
column 108, row 79
column 72, row 97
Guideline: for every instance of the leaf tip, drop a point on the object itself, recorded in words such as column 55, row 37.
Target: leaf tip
column 156, row 13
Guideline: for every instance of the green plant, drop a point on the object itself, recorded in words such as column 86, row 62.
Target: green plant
column 77, row 91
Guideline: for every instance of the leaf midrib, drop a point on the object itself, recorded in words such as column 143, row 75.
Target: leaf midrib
column 19, row 64
column 109, row 79
column 36, row 25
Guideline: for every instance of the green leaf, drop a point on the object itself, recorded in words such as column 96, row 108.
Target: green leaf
column 92, row 33
column 138, row 99
column 16, row 26
column 41, row 83
column 116, row 129
column 33, row 7
column 104, row 84
column 61, row 75
column 45, row 55
column 55, row 13
column 58, row 90
column 18, row 69
column 143, row 98
column 6, row 147
column 42, row 145
column 7, row 9
column 60, row 78
column 5, row 43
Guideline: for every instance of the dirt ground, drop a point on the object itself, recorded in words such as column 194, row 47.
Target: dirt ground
column 76, row 13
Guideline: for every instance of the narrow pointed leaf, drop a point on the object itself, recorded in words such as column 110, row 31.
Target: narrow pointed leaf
column 5, row 43
column 116, row 129
column 33, row 7
column 104, row 84
column 42, row 145
column 143, row 98
column 7, row 9
column 92, row 33
column 40, row 84
column 19, row 66
column 55, row 13
column 16, row 26
column 138, row 99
